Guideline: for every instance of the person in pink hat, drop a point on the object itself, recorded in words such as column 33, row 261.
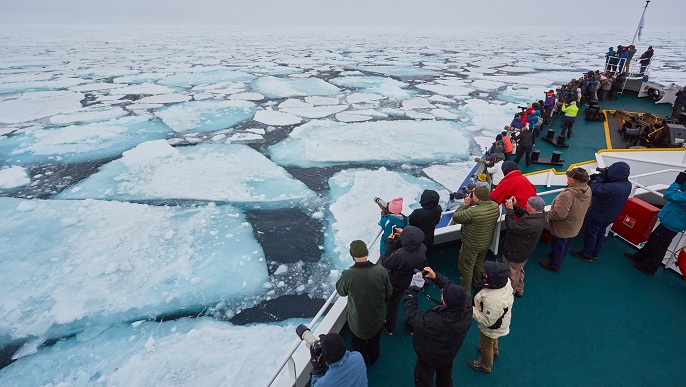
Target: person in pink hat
column 391, row 217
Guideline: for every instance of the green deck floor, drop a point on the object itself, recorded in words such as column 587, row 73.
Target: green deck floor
column 591, row 324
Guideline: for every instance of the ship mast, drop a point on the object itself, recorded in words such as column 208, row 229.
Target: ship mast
column 640, row 23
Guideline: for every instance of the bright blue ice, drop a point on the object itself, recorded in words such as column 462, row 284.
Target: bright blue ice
column 76, row 143
column 76, row 264
column 206, row 116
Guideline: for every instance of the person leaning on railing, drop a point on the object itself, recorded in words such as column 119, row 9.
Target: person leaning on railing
column 672, row 221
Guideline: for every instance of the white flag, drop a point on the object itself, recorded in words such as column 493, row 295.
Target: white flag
column 640, row 27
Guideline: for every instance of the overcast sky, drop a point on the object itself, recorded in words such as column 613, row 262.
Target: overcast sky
column 445, row 13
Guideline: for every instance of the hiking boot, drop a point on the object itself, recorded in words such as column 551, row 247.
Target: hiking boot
column 581, row 256
column 632, row 257
column 640, row 268
column 548, row 266
column 495, row 354
column 476, row 364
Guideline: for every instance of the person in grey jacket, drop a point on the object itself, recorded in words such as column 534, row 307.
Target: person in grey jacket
column 522, row 237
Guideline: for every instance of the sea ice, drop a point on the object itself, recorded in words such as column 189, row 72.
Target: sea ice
column 73, row 264
column 316, row 111
column 57, row 84
column 36, row 105
column 13, row 177
column 76, row 143
column 200, row 77
column 355, row 214
column 374, row 85
column 206, row 116
column 218, row 172
column 247, row 96
column 164, row 98
column 320, row 143
column 486, row 115
column 200, row 351
column 450, row 175
column 274, row 87
column 90, row 114
column 271, row 117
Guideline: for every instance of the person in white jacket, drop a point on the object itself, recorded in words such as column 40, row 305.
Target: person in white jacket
column 496, row 171
column 492, row 309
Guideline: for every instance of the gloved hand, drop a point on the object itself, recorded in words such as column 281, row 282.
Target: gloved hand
column 417, row 280
column 317, row 360
column 681, row 178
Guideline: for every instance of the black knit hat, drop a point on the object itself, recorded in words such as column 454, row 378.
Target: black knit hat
column 454, row 295
column 508, row 167
column 333, row 347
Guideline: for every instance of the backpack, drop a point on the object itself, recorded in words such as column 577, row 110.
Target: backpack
column 539, row 122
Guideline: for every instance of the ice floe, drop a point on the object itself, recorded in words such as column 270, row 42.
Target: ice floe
column 200, row 77
column 36, row 105
column 206, row 116
column 319, row 143
column 218, row 172
column 91, row 114
column 75, row 143
column 92, row 270
column 315, row 111
column 271, row 117
column 13, row 177
column 164, row 98
column 282, row 88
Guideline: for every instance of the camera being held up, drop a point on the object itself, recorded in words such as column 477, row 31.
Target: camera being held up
column 383, row 205
column 315, row 346
column 463, row 192
column 602, row 174
column 424, row 272
column 487, row 163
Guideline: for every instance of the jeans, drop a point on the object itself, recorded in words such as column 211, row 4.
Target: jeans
column 488, row 347
column 560, row 249
column 424, row 374
column 370, row 349
column 594, row 237
column 653, row 252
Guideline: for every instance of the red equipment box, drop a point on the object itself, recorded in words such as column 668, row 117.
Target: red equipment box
column 636, row 221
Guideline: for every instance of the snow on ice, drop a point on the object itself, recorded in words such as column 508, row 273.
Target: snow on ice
column 206, row 116
column 13, row 177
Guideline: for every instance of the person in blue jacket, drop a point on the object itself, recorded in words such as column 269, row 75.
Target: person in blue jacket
column 672, row 221
column 610, row 189
column 346, row 369
column 391, row 217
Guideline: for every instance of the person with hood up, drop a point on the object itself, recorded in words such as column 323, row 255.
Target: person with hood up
column 610, row 190
column 427, row 217
column 672, row 221
column 405, row 253
column 513, row 184
column 522, row 237
column 566, row 216
column 611, row 60
column 645, row 59
column 391, row 216
column 346, row 369
column 492, row 310
column 438, row 332
column 478, row 217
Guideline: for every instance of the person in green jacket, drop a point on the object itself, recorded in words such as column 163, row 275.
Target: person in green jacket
column 367, row 287
column 570, row 110
column 478, row 217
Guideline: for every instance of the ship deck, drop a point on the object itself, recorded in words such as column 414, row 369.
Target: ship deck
column 600, row 323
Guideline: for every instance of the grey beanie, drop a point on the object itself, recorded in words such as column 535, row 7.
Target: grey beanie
column 536, row 203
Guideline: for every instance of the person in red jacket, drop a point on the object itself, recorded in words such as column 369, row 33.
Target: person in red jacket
column 507, row 147
column 513, row 184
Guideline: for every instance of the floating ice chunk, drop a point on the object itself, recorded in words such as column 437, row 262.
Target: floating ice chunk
column 58, row 84
column 164, row 98
column 490, row 116
column 13, row 177
column 521, row 95
column 219, row 172
column 221, row 353
column 418, row 103
column 453, row 87
column 247, row 96
column 441, row 99
column 363, row 97
column 318, row 143
column 317, row 111
column 97, row 86
column 37, row 105
column 294, row 103
column 481, row 84
column 386, row 87
column 322, row 100
column 281, row 88
column 200, row 77
column 206, row 116
column 106, row 72
column 399, row 71
column 76, row 143
column 244, row 137
column 450, row 175
column 352, row 205
column 148, row 152
column 516, row 69
column 110, row 261
column 88, row 115
column 445, row 114
column 140, row 78
column 348, row 117
column 271, row 117
column 143, row 88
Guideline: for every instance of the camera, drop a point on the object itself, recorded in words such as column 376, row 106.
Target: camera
column 312, row 342
column 522, row 107
column 424, row 272
column 462, row 193
column 602, row 173
column 383, row 205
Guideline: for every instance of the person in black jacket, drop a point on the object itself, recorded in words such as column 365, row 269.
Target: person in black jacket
column 645, row 59
column 522, row 237
column 439, row 331
column 427, row 217
column 401, row 260
column 524, row 145
column 610, row 189
column 679, row 103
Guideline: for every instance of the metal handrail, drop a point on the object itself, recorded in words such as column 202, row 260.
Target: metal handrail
column 319, row 314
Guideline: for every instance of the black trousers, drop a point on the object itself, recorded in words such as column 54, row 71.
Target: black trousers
column 370, row 349
column 424, row 374
column 519, row 157
column 392, row 309
column 650, row 256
